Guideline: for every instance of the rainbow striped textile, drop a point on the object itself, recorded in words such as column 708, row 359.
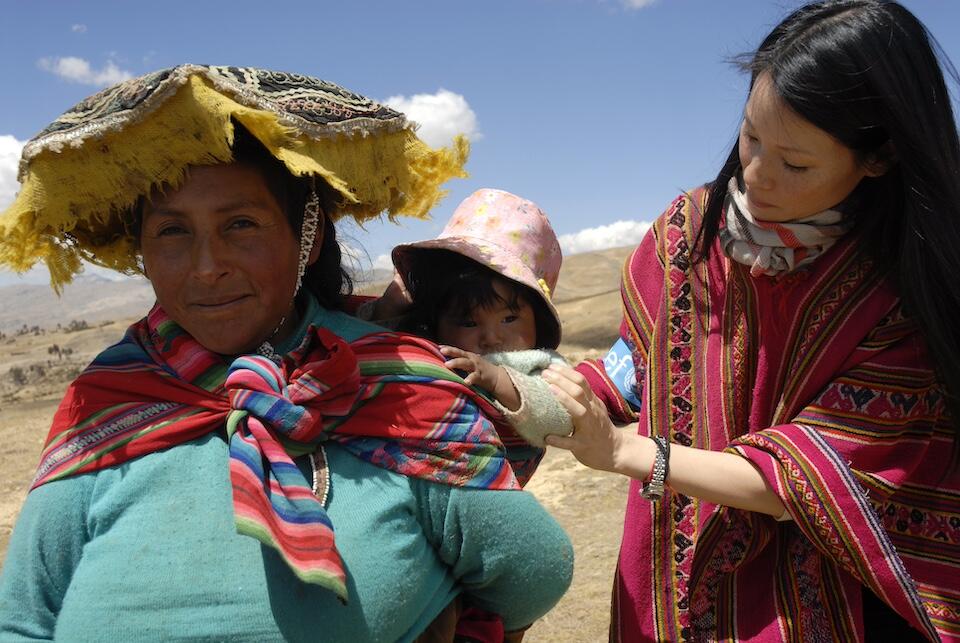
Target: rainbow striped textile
column 158, row 387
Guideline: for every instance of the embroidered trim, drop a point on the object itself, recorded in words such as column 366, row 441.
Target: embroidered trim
column 171, row 83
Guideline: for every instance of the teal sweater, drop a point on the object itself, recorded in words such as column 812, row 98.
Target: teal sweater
column 148, row 551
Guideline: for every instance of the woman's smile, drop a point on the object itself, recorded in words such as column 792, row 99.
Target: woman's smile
column 216, row 304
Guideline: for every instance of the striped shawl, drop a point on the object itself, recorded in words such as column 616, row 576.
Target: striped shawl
column 385, row 397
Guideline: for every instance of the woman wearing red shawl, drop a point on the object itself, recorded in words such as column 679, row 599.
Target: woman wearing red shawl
column 251, row 463
column 793, row 331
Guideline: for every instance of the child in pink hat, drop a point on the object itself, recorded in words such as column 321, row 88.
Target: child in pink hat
column 483, row 289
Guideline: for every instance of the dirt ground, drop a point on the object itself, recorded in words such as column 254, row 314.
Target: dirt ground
column 588, row 504
column 22, row 429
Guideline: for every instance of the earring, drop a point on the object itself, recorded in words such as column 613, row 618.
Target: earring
column 308, row 232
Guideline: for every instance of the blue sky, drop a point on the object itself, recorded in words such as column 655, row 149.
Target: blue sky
column 599, row 110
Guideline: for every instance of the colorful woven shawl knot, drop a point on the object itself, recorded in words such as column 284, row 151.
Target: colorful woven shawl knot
column 273, row 502
column 386, row 398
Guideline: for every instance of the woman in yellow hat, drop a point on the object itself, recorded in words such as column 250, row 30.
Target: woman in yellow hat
column 249, row 462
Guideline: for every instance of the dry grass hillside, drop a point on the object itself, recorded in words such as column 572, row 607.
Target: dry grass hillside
column 37, row 361
column 91, row 298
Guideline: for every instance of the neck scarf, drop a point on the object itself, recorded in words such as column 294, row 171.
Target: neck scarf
column 773, row 249
column 385, row 397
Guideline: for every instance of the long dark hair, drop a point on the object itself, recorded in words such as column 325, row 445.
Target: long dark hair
column 868, row 73
column 326, row 278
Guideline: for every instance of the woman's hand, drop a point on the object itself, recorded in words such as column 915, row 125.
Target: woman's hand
column 483, row 374
column 595, row 441
column 720, row 478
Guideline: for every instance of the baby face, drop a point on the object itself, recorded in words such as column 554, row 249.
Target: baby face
column 491, row 329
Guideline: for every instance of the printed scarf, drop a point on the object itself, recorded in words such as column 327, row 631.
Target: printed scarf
column 771, row 248
column 385, row 397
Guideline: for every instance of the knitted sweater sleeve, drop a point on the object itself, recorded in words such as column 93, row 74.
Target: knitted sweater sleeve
column 508, row 555
column 539, row 414
column 43, row 552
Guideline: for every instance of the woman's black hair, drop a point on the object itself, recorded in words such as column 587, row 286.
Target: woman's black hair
column 325, row 278
column 869, row 73
column 442, row 281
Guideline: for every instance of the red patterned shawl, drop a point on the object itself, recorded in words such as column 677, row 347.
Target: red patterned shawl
column 159, row 387
column 822, row 383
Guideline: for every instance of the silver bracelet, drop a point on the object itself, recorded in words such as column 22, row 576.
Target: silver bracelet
column 654, row 486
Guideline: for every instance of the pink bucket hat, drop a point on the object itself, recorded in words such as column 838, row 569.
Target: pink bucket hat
column 505, row 233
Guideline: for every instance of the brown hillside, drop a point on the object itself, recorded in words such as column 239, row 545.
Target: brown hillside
column 90, row 298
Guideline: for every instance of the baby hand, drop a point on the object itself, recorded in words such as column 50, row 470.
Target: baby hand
column 479, row 372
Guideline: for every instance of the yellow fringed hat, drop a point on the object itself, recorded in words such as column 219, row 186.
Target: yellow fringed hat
column 81, row 175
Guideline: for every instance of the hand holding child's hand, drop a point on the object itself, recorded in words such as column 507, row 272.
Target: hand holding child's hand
column 479, row 372
column 595, row 441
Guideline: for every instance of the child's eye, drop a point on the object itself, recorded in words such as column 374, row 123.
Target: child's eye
column 794, row 168
column 467, row 323
column 509, row 319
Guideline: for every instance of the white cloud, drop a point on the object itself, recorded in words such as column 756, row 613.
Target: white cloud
column 78, row 70
column 10, row 149
column 78, row 28
column 615, row 235
column 383, row 262
column 441, row 116
column 637, row 4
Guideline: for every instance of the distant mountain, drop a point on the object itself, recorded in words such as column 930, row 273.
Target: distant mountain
column 91, row 298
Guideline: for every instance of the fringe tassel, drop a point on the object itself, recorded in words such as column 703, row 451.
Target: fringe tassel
column 75, row 201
